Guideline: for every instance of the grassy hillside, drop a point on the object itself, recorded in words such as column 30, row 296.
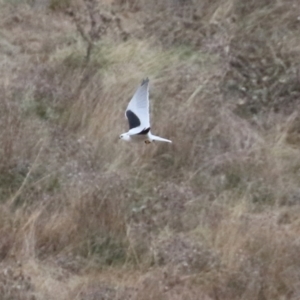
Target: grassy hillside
column 215, row 215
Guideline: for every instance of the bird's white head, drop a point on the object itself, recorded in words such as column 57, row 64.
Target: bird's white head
column 125, row 137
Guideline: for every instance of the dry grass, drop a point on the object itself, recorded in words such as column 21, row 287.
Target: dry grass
column 213, row 216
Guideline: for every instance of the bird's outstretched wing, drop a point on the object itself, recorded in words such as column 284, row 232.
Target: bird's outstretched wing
column 137, row 111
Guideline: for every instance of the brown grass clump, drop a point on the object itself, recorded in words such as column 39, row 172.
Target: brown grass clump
column 212, row 216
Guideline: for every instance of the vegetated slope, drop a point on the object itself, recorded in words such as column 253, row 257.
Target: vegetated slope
column 212, row 216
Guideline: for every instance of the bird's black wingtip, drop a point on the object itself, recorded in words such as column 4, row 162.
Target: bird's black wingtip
column 145, row 81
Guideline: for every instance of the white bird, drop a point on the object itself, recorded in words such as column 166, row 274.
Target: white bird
column 138, row 116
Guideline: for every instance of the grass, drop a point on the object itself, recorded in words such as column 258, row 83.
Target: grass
column 212, row 216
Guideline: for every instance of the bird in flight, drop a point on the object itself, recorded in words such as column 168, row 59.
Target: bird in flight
column 137, row 114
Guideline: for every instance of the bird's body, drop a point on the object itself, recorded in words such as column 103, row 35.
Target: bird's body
column 146, row 137
column 138, row 117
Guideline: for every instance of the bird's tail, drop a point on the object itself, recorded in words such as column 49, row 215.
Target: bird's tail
column 157, row 138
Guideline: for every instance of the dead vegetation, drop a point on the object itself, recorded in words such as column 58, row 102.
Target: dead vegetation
column 215, row 215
